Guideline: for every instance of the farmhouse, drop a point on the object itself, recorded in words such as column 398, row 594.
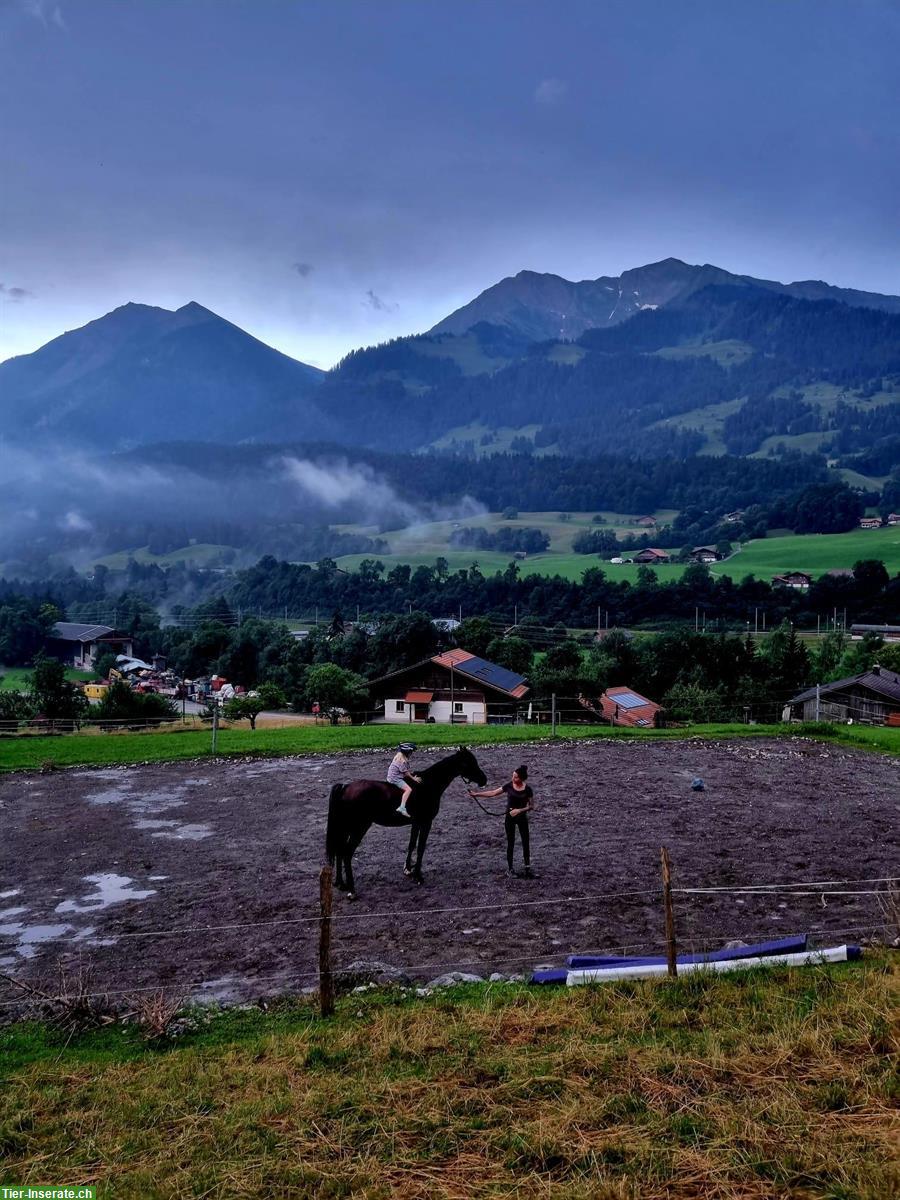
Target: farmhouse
column 455, row 688
column 733, row 517
column 647, row 522
column 705, row 554
column 799, row 580
column 652, row 556
column 624, row 706
column 893, row 518
column 77, row 645
column 870, row 522
column 872, row 697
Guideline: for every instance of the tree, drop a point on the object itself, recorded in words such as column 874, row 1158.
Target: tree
column 121, row 703
column 52, row 694
column 337, row 690
column 272, row 696
column 514, row 653
column 241, row 708
column 475, row 634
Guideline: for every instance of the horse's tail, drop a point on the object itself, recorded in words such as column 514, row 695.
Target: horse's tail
column 333, row 832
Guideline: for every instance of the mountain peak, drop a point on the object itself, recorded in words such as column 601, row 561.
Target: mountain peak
column 544, row 307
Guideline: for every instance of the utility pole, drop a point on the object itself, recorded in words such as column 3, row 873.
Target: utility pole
column 818, row 701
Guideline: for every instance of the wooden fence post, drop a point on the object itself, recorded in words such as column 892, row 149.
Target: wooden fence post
column 671, row 948
column 326, row 983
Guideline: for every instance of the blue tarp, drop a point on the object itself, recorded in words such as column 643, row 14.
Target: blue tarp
column 600, row 962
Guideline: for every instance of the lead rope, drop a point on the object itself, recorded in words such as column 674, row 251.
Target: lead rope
column 489, row 811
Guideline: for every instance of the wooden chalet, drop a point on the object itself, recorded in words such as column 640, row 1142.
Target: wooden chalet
column 455, row 688
column 705, row 554
column 799, row 580
column 652, row 556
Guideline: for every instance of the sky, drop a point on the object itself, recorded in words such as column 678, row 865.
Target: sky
column 332, row 174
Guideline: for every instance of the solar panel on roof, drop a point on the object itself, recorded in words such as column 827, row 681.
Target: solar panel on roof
column 489, row 672
column 628, row 700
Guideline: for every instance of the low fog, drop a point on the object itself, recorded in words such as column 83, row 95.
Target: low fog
column 60, row 507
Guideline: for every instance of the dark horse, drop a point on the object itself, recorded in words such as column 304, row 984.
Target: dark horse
column 354, row 807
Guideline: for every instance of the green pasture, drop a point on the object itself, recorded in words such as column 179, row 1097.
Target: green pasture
column 813, row 552
column 203, row 554
column 420, row 545
column 96, row 748
column 18, row 679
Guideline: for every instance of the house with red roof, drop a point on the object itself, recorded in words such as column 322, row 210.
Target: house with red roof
column 624, row 706
column 454, row 688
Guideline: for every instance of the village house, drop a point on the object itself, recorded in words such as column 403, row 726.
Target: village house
column 799, row 580
column 893, row 518
column 870, row 522
column 652, row 556
column 78, row 645
column 872, row 698
column 705, row 554
column 647, row 522
column 733, row 517
column 454, row 688
column 626, row 707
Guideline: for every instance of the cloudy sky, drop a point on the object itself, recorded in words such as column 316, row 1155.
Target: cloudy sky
column 330, row 174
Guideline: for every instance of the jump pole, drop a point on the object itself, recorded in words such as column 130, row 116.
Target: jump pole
column 326, row 983
column 671, row 948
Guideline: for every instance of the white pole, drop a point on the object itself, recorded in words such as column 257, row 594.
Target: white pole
column 806, row 958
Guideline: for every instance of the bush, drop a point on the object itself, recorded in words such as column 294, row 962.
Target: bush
column 122, row 704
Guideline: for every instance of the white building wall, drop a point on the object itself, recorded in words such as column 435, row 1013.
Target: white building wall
column 474, row 711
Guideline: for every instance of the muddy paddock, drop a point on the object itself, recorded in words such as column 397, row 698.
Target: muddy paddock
column 203, row 876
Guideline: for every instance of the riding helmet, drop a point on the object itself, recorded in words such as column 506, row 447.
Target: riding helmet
column 407, row 747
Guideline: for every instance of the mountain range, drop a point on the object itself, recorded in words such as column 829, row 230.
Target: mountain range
column 547, row 307
column 668, row 358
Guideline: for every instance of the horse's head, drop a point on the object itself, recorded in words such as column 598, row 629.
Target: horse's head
column 469, row 768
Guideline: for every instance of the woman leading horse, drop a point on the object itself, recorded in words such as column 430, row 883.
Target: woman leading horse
column 353, row 808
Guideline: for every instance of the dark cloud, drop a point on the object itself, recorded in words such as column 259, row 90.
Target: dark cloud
column 376, row 303
column 304, row 269
column 15, row 293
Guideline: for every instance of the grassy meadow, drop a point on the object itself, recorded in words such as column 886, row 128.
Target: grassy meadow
column 420, row 545
column 770, row 1083
column 95, row 748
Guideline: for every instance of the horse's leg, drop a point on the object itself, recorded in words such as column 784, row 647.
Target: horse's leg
column 353, row 840
column 413, row 838
column 424, row 831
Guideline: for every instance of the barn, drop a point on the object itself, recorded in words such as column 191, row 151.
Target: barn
column 455, row 688
column 77, row 645
column 872, row 698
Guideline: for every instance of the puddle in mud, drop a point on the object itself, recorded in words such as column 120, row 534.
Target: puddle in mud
column 12, row 912
column 191, row 833
column 110, row 889
column 11, row 892
column 28, row 936
column 147, row 823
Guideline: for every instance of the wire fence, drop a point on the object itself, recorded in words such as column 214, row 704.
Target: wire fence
column 469, row 707
column 882, row 923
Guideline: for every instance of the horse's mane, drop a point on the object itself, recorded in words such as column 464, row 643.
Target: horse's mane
column 428, row 773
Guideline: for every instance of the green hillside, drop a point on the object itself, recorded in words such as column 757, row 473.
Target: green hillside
column 817, row 553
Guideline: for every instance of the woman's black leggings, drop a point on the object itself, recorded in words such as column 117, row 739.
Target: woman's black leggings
column 512, row 824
